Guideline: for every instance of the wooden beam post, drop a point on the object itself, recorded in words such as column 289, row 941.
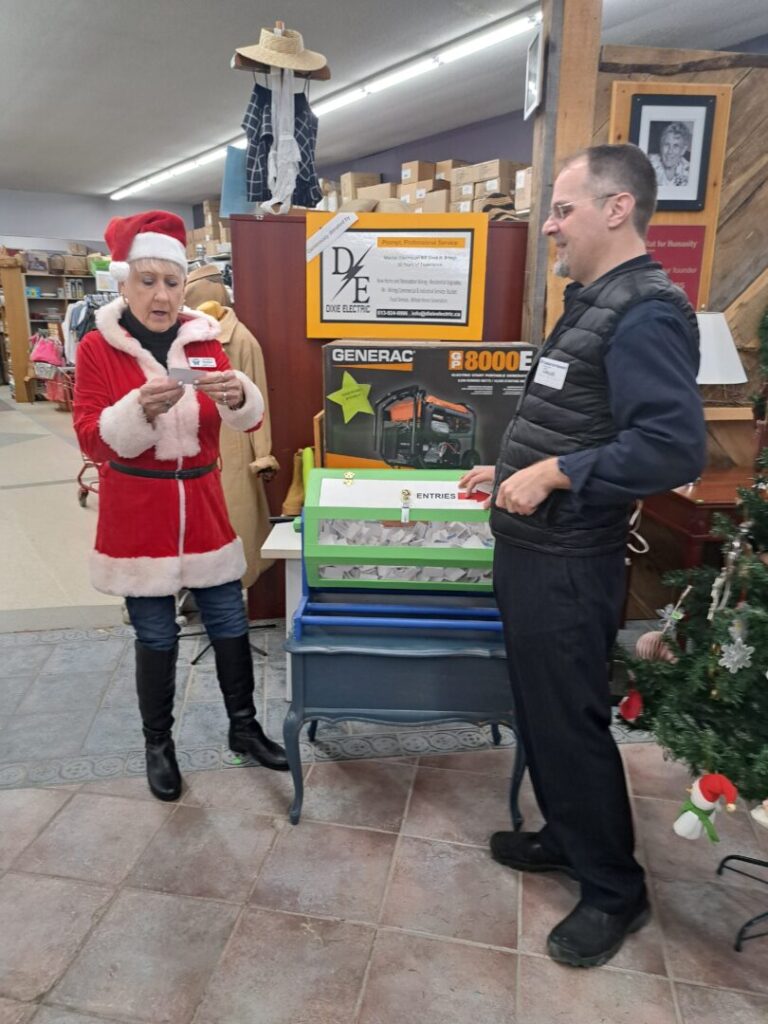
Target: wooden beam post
column 17, row 325
column 563, row 125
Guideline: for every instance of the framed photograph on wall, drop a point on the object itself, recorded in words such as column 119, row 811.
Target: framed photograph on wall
column 675, row 132
column 534, row 74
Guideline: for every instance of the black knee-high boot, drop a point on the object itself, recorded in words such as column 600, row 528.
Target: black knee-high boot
column 234, row 668
column 156, row 686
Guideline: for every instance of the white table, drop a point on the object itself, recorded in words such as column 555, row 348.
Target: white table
column 284, row 542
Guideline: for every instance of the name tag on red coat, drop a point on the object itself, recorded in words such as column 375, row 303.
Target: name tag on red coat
column 202, row 362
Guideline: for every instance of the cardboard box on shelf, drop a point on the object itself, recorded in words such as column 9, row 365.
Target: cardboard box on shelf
column 434, row 202
column 351, row 181
column 76, row 265
column 465, row 191
column 523, row 187
column 484, row 171
column 443, row 168
column 416, row 170
column 415, row 191
column 463, row 206
column 211, row 209
column 77, row 249
column 386, row 190
column 471, row 389
column 503, row 184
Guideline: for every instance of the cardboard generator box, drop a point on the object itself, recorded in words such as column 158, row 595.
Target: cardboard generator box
column 484, row 172
column 419, row 404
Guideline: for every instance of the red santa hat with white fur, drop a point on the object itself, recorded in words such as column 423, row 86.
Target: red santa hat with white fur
column 156, row 235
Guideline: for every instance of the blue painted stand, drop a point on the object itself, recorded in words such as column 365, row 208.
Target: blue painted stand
column 396, row 676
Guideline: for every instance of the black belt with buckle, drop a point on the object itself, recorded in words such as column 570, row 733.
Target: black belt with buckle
column 164, row 474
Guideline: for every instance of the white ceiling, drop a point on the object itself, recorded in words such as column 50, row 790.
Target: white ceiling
column 99, row 93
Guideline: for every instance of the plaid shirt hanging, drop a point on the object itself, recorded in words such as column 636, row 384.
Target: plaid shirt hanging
column 257, row 125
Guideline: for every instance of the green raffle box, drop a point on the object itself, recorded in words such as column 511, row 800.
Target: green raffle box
column 395, row 530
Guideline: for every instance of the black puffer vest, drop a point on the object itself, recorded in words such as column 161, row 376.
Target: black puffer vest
column 555, row 422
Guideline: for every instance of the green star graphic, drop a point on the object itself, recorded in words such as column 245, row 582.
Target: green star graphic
column 352, row 397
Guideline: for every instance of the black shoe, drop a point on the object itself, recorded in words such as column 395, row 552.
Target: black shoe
column 525, row 852
column 247, row 737
column 163, row 773
column 589, row 937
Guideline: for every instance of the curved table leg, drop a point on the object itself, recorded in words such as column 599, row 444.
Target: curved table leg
column 312, row 731
column 291, row 729
column 495, row 734
column 517, row 780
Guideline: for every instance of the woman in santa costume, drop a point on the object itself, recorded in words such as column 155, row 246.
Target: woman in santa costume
column 163, row 523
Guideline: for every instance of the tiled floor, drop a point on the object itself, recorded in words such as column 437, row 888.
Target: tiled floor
column 381, row 907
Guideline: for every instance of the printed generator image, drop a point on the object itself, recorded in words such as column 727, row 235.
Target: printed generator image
column 414, row 428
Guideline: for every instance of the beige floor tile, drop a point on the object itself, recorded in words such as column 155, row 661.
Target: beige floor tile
column 553, row 994
column 58, row 1015
column 699, row 1005
column 243, row 789
column 547, row 899
column 463, row 807
column 149, row 958
column 435, row 982
column 651, row 774
column 286, row 969
column 24, row 813
column 12, row 1012
column 207, row 852
column 371, row 794
column 499, row 761
column 700, row 921
column 453, row 891
column 44, row 921
column 327, row 870
column 95, row 838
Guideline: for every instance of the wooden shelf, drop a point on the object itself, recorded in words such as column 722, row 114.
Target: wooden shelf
column 33, row 273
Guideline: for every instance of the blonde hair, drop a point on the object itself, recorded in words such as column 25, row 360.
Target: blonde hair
column 153, row 266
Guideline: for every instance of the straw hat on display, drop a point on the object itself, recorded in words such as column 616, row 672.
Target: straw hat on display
column 283, row 51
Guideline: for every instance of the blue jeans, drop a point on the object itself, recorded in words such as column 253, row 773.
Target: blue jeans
column 221, row 609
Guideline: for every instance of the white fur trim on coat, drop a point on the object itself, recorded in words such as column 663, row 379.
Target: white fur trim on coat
column 175, row 433
column 125, row 428
column 251, row 413
column 159, row 577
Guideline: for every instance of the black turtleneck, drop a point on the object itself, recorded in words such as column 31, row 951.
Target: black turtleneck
column 157, row 342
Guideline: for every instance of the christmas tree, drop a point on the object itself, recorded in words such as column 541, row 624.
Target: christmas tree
column 702, row 680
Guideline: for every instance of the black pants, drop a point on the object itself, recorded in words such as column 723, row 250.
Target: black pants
column 561, row 616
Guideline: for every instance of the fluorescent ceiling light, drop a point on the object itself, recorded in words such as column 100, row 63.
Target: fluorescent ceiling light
column 342, row 100
column 403, row 75
column 464, row 48
column 485, row 39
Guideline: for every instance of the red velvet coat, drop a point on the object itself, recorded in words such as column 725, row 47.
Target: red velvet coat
column 155, row 536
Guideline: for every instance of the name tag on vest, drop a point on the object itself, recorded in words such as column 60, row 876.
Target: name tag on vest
column 202, row 362
column 551, row 373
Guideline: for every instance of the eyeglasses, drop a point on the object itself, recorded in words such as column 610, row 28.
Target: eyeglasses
column 559, row 211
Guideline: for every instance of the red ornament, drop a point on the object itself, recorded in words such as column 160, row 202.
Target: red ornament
column 631, row 706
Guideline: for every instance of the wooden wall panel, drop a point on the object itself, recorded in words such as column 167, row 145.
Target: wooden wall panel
column 739, row 285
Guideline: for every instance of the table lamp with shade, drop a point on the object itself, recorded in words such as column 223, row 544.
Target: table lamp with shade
column 730, row 428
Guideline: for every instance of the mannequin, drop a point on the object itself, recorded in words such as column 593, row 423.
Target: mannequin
column 246, row 459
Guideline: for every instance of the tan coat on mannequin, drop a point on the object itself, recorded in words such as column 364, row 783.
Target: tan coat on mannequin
column 245, row 458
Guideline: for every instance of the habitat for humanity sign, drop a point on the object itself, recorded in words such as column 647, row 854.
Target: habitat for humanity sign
column 396, row 276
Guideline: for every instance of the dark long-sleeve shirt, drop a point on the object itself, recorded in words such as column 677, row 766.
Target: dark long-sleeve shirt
column 651, row 365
